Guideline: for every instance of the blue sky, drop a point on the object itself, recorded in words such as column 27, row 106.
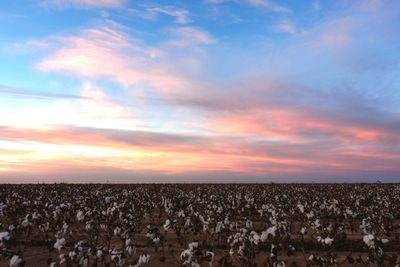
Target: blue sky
column 245, row 90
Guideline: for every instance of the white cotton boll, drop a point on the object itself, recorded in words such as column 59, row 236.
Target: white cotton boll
column 156, row 240
column 349, row 211
column 59, row 244
column 254, row 237
column 329, row 241
column 84, row 262
column 194, row 245
column 385, row 240
column 303, row 230
column 181, row 214
column 249, row 224
column 241, row 250
column 264, row 236
column 15, row 261
column 310, row 215
column 117, row 231
column 35, row 216
column 62, row 258
column 325, row 241
column 219, row 227
column 301, row 208
column 143, row 260
column 79, row 245
column 205, row 227
column 187, row 223
column 25, row 223
column 4, row 236
column 72, row 254
column 131, row 250
column 369, row 240
column 187, row 253
column 167, row 225
column 231, row 252
column 226, row 221
column 270, row 231
column 99, row 253
column 150, row 235
column 80, row 216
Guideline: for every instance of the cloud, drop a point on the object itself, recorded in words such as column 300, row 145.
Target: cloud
column 291, row 114
column 92, row 107
column 128, row 61
column 190, row 36
column 12, row 17
column 129, row 151
column 267, row 126
column 25, row 93
column 285, row 26
column 269, row 6
column 180, row 15
column 215, row 1
column 28, row 46
column 83, row 3
column 337, row 33
column 268, row 117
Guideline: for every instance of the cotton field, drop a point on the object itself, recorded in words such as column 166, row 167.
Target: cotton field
column 200, row 225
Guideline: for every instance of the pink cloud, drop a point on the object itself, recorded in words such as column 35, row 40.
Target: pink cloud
column 335, row 34
column 109, row 52
column 50, row 150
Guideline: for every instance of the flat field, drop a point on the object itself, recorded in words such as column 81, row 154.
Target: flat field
column 199, row 225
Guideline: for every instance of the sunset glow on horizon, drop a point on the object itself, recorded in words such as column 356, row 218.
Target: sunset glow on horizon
column 199, row 91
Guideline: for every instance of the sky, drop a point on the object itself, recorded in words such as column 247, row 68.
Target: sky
column 199, row 91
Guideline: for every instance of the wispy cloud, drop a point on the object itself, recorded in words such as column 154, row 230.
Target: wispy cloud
column 180, row 15
column 83, row 3
column 285, row 26
column 12, row 17
column 215, row 1
column 129, row 62
column 92, row 107
column 25, row 93
column 269, row 6
column 189, row 36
